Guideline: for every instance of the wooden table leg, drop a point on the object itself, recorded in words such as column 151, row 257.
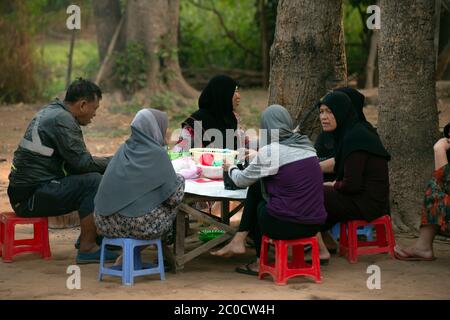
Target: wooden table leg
column 225, row 213
column 179, row 240
column 169, row 257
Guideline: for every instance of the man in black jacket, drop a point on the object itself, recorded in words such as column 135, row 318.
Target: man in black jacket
column 53, row 173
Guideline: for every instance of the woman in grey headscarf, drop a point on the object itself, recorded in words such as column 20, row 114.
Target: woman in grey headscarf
column 140, row 191
column 285, row 198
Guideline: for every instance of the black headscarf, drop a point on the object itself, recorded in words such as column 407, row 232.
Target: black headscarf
column 350, row 134
column 215, row 108
column 324, row 142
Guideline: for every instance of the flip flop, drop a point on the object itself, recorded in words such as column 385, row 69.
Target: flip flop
column 401, row 254
column 246, row 270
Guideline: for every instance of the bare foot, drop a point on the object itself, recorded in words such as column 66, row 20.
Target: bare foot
column 413, row 253
column 230, row 250
column 329, row 241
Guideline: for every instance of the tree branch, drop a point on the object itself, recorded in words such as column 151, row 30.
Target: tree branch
column 230, row 34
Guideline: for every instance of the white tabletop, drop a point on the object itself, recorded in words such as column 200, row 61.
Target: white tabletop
column 214, row 189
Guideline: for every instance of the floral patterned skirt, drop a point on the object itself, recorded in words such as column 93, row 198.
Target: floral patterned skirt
column 436, row 204
column 156, row 224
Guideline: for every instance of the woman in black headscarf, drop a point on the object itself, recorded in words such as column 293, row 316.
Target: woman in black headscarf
column 217, row 104
column 361, row 189
column 325, row 141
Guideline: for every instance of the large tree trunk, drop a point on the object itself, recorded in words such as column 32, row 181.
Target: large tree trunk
column 154, row 24
column 307, row 57
column 107, row 17
column 408, row 121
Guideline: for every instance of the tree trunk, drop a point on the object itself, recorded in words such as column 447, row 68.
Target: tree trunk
column 107, row 17
column 154, row 24
column 371, row 60
column 307, row 57
column 408, row 121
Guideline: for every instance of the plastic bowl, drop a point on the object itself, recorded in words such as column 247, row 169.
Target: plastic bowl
column 211, row 172
column 175, row 155
column 219, row 154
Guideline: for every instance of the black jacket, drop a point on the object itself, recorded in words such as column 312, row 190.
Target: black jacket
column 52, row 148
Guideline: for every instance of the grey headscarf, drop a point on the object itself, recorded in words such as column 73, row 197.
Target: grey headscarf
column 140, row 176
column 277, row 117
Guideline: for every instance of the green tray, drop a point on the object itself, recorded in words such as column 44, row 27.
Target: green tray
column 207, row 235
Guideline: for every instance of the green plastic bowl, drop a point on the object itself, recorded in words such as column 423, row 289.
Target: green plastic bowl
column 207, row 235
column 175, row 155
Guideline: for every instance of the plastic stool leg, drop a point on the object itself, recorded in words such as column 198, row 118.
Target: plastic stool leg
column 280, row 262
column 391, row 239
column 162, row 272
column 46, row 253
column 352, row 242
column 316, row 260
column 102, row 261
column 128, row 263
column 381, row 235
column 335, row 231
column 8, row 246
column 2, row 237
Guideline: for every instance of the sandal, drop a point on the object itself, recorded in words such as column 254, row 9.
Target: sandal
column 246, row 270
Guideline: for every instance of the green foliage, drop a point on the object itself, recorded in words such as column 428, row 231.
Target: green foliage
column 129, row 108
column 203, row 41
column 356, row 35
column 55, row 56
column 131, row 67
column 163, row 100
column 17, row 66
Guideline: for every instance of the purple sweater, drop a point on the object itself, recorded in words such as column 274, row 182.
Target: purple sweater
column 296, row 192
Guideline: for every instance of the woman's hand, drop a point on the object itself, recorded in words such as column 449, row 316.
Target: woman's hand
column 226, row 166
column 329, row 184
column 442, row 144
column 250, row 154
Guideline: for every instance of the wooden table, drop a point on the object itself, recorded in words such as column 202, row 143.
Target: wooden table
column 201, row 192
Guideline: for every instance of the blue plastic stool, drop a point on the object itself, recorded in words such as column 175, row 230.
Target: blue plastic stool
column 362, row 231
column 131, row 258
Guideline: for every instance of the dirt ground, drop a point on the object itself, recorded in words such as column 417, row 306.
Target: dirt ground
column 206, row 277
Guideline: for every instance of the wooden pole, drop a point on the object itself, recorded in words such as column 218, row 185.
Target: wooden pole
column 69, row 67
column 111, row 46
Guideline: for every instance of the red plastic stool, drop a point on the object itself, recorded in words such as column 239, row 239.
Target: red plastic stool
column 283, row 269
column 9, row 247
column 349, row 244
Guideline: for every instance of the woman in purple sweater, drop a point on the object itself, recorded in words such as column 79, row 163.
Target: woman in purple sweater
column 285, row 198
column 361, row 189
